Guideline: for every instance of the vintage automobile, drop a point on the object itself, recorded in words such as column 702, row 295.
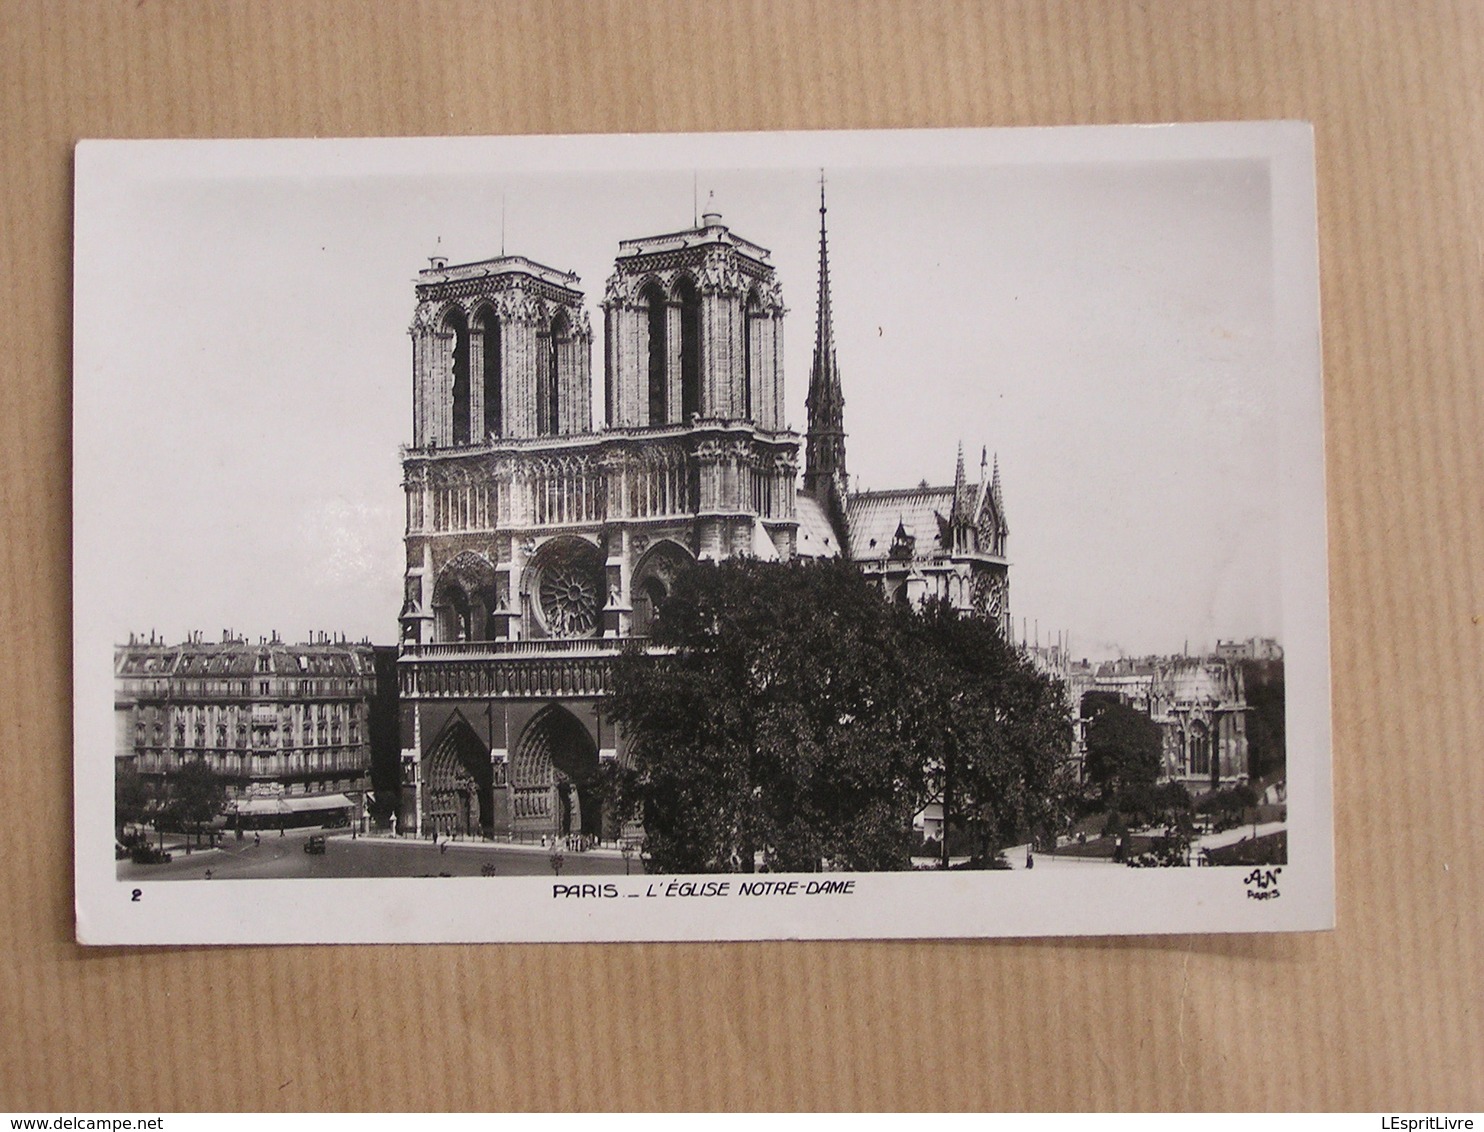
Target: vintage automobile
column 315, row 844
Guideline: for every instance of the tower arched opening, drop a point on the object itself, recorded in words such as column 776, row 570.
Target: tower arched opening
column 751, row 351
column 456, row 327
column 549, row 378
column 690, row 347
column 487, row 330
column 653, row 300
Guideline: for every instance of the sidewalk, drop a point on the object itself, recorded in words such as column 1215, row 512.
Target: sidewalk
column 1232, row 836
column 487, row 846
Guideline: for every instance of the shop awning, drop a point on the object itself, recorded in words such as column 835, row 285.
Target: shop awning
column 318, row 802
column 293, row 805
column 260, row 806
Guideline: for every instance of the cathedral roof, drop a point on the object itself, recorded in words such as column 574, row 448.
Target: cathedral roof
column 873, row 517
column 817, row 536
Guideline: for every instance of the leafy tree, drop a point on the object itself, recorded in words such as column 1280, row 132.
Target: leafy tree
column 995, row 730
column 774, row 729
column 798, row 719
column 197, row 794
column 1123, row 748
column 132, row 798
column 1262, row 681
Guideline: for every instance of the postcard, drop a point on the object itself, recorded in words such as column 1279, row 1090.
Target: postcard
column 897, row 534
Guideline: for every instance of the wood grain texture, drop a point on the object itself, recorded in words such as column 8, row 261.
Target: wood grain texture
column 1384, row 1013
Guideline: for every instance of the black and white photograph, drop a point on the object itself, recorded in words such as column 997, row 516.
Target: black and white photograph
column 822, row 535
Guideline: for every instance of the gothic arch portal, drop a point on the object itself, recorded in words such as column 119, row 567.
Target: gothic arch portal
column 554, row 776
column 459, row 791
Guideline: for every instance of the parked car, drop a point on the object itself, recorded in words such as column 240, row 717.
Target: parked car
column 315, row 844
column 145, row 854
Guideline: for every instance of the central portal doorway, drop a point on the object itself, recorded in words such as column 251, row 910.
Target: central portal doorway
column 555, row 777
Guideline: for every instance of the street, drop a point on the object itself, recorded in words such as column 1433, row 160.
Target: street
column 283, row 858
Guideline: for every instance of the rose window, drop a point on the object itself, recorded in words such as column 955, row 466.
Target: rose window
column 570, row 592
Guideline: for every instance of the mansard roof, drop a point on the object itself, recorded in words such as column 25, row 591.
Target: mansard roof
column 241, row 658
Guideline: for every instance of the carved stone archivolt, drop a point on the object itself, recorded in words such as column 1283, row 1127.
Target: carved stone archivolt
column 470, row 570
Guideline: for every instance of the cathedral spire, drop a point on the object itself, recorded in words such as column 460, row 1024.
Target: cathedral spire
column 824, row 457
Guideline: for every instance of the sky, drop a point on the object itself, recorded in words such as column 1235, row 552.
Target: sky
column 1099, row 319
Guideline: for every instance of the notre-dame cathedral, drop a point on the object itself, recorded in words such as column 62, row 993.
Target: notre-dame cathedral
column 539, row 541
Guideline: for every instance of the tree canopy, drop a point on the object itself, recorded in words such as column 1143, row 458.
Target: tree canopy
column 1266, row 746
column 1123, row 747
column 792, row 717
column 197, row 794
column 132, row 798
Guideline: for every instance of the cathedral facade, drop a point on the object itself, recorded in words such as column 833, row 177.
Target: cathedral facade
column 540, row 541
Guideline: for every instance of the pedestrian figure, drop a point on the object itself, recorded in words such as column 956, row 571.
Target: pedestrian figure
column 257, row 838
column 1030, row 858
